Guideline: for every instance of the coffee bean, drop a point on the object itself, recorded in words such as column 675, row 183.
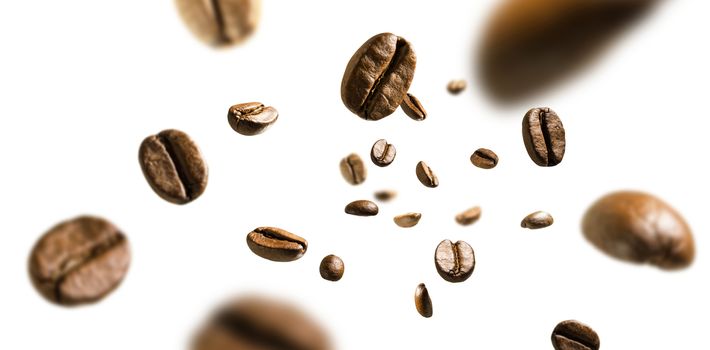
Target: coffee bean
column 251, row 118
column 640, row 228
column 544, row 136
column 456, row 86
column 258, row 323
column 382, row 153
column 484, row 158
column 574, row 335
column 378, row 76
column 79, row 261
column 353, row 169
column 422, row 301
column 469, row 216
column 385, row 195
column 536, row 220
column 426, row 176
column 220, row 22
column 362, row 208
column 276, row 244
column 413, row 108
column 454, row 262
column 332, row 268
column 173, row 166
column 407, row 220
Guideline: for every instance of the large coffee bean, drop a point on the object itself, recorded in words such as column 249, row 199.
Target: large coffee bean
column 544, row 136
column 454, row 261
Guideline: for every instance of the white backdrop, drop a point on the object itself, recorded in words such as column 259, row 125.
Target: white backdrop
column 83, row 82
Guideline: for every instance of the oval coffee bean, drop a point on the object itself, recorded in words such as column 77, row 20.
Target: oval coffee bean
column 362, row 208
column 536, row 220
column 484, row 158
column 574, row 335
column 544, row 136
column 378, row 76
column 407, row 220
column 640, row 228
column 353, row 169
column 332, row 268
column 385, row 195
column 79, row 261
column 251, row 118
column 422, row 301
column 173, row 166
column 469, row 216
column 454, row 262
column 413, row 108
column 426, row 176
column 275, row 244
column 382, row 153
column 455, row 87
column 220, row 22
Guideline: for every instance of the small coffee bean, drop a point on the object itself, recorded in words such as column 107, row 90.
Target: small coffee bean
column 382, row 153
column 454, row 262
column 469, row 216
column 79, row 261
column 276, row 244
column 536, row 220
column 640, row 228
column 407, row 220
column 173, row 166
column 332, row 268
column 353, row 169
column 574, row 335
column 220, row 22
column 422, row 301
column 251, row 118
column 456, row 86
column 385, row 195
column 484, row 158
column 544, row 136
column 426, row 176
column 413, row 108
column 362, row 208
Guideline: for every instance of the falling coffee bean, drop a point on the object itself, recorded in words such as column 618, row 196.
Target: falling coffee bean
column 382, row 153
column 385, row 195
column 422, row 301
column 79, row 261
column 362, row 208
column 251, row 118
column 536, row 220
column 407, row 220
column 469, row 216
column 454, row 262
column 574, row 335
column 413, row 108
column 353, row 169
column 484, row 158
column 544, row 136
column 426, row 175
column 332, row 268
column 220, row 22
column 173, row 166
column 456, row 86
column 276, row 244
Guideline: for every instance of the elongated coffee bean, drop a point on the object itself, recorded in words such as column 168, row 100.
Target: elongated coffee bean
column 455, row 87
column 536, row 220
column 422, row 301
column 378, row 76
column 251, row 118
column 413, row 108
column 275, row 244
column 454, row 261
column 173, row 166
column 362, row 208
column 385, row 195
column 407, row 220
column 353, row 169
column 544, row 136
column 469, row 216
column 484, row 158
column 382, row 153
column 332, row 268
column 220, row 22
column 574, row 335
column 426, row 176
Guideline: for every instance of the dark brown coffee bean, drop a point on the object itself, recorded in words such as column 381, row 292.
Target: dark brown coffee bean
column 574, row 335
column 362, row 208
column 413, row 108
column 456, row 86
column 544, row 136
column 220, row 22
column 469, row 216
column 408, row 219
column 275, row 244
column 258, row 323
column 422, row 301
column 454, row 262
column 640, row 228
column 251, row 118
column 536, row 220
column 385, row 195
column 79, row 261
column 173, row 166
column 332, row 268
column 353, row 169
column 382, row 153
column 426, row 176
column 378, row 76
column 484, row 158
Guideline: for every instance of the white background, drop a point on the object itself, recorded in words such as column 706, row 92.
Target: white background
column 83, row 82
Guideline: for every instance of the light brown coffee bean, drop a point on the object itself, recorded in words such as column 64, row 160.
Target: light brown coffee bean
column 422, row 301
column 544, row 136
column 276, row 244
column 220, row 22
column 469, row 216
column 385, row 195
column 332, row 268
column 408, row 219
column 383, row 153
column 362, row 208
column 413, row 108
column 454, row 262
column 353, row 169
column 574, row 335
column 251, row 118
column 426, row 176
column 536, row 220
column 456, row 86
column 484, row 158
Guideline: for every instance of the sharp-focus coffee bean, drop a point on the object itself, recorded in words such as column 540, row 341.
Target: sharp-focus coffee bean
column 536, row 220
column 378, row 76
column 469, row 216
column 426, row 176
column 484, row 158
column 385, row 195
column 454, row 262
column 362, row 208
column 413, row 108
column 173, row 166
column 220, row 22
column 275, row 244
column 544, row 136
column 79, row 261
column 382, row 153
column 574, row 335
column 251, row 118
column 353, row 169
column 332, row 268
column 456, row 86
column 408, row 219
column 422, row 301
column 258, row 323
column 640, row 228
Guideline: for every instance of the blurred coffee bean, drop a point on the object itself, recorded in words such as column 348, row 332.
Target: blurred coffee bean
column 220, row 22
column 353, row 169
column 385, row 195
column 407, row 220
column 469, row 216
column 455, row 87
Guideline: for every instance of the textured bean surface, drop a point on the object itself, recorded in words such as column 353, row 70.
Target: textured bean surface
column 413, row 108
column 251, row 118
column 574, row 335
column 362, row 208
column 332, row 268
column 454, row 261
column 276, row 244
column 426, row 176
column 422, row 301
column 544, row 136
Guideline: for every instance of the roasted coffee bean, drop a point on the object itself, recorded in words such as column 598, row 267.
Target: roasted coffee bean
column 275, row 244
column 426, row 176
column 640, row 228
column 353, row 169
column 362, row 208
column 574, row 335
column 484, row 158
column 251, row 118
column 173, row 166
column 413, row 108
column 538, row 219
column 456, row 86
column 422, row 301
column 79, row 261
column 469, row 216
column 382, row 153
column 332, row 268
column 454, row 262
column 385, row 195
column 378, row 76
column 407, row 220
column 544, row 136
column 258, row 323
column 220, row 22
